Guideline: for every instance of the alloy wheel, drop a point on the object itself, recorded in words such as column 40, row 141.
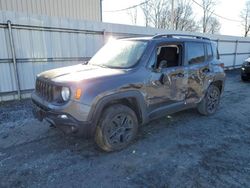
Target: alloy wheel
column 213, row 100
column 120, row 129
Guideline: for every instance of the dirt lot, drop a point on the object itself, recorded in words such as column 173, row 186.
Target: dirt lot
column 182, row 150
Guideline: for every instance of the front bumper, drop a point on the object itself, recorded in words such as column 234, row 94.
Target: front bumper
column 64, row 121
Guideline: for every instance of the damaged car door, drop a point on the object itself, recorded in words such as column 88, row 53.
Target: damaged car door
column 167, row 86
column 198, row 56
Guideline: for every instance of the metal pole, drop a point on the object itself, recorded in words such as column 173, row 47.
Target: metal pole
column 14, row 59
column 235, row 53
column 218, row 40
column 172, row 14
column 101, row 10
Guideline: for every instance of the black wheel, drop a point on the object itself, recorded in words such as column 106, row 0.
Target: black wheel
column 117, row 128
column 210, row 102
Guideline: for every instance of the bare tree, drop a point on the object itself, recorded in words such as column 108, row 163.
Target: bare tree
column 213, row 26
column 158, row 13
column 184, row 20
column 158, row 16
column 245, row 16
column 133, row 15
column 155, row 13
column 208, row 21
column 146, row 12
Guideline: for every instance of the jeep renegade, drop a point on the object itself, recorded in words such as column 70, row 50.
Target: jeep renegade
column 129, row 82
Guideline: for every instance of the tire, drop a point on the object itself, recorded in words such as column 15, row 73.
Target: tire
column 117, row 128
column 210, row 102
column 244, row 79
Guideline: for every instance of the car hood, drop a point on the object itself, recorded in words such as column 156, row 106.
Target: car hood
column 78, row 73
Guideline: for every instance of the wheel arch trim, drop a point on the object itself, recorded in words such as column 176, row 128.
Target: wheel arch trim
column 99, row 105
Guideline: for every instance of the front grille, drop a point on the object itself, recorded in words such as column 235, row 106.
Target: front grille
column 45, row 90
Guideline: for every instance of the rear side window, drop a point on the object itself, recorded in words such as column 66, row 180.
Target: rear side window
column 196, row 53
column 209, row 52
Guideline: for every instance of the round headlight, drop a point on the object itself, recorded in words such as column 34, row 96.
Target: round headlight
column 65, row 93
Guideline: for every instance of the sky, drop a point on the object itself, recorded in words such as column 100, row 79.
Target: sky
column 227, row 8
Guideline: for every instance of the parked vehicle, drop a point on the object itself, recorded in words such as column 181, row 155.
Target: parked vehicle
column 245, row 70
column 128, row 83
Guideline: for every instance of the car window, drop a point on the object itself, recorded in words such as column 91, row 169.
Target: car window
column 209, row 52
column 196, row 53
column 119, row 54
column 168, row 56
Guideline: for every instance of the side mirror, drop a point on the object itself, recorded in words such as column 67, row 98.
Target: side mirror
column 162, row 65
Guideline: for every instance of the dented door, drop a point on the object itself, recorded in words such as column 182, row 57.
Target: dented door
column 168, row 84
column 199, row 71
column 197, row 81
column 167, row 87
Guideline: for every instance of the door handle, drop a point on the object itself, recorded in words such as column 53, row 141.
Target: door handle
column 164, row 79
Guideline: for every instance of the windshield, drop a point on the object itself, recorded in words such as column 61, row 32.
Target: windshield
column 119, row 54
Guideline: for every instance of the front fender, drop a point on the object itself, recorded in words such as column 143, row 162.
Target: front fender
column 99, row 104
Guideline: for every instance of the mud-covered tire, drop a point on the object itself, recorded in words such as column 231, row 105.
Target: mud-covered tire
column 117, row 128
column 209, row 104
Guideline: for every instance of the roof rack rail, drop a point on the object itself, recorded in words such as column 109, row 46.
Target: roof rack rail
column 179, row 35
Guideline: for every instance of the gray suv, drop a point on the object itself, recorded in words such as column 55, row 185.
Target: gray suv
column 129, row 82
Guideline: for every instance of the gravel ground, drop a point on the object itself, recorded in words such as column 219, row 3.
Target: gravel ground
column 181, row 150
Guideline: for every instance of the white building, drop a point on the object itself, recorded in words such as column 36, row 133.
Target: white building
column 75, row 9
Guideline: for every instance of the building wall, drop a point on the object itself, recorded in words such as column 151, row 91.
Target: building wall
column 74, row 9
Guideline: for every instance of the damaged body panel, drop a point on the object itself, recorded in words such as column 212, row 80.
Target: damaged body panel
column 146, row 77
